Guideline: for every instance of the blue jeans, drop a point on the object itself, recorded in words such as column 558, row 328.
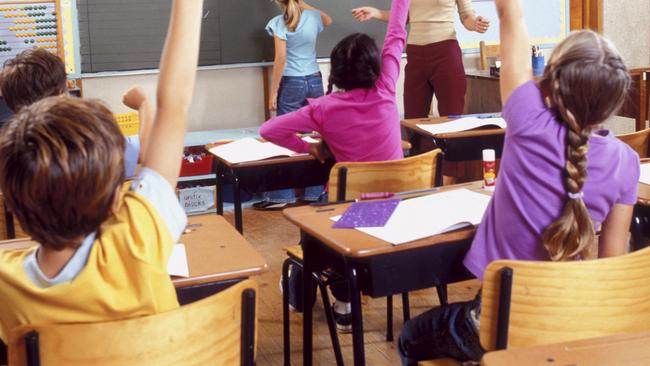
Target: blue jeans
column 292, row 95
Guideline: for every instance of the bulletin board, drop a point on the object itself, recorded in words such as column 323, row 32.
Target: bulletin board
column 49, row 25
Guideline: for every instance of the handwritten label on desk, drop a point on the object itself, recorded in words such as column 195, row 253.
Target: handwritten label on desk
column 198, row 199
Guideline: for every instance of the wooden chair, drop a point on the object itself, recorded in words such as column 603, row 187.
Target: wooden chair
column 528, row 304
column 488, row 51
column 349, row 181
column 535, row 303
column 219, row 330
column 639, row 141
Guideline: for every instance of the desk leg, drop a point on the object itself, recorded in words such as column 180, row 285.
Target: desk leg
column 357, row 319
column 239, row 225
column 307, row 284
column 219, row 186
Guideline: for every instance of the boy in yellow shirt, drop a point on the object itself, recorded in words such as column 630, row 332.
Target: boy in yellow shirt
column 104, row 244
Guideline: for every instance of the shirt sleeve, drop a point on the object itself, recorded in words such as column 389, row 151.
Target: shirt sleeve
column 319, row 21
column 465, row 9
column 631, row 185
column 282, row 130
column 157, row 191
column 277, row 28
column 523, row 106
column 394, row 44
column 131, row 155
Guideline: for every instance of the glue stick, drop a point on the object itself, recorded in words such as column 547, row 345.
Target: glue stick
column 489, row 170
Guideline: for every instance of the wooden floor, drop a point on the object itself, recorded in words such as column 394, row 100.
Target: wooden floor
column 269, row 232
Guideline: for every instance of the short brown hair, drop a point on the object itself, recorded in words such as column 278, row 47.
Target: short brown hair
column 31, row 76
column 61, row 161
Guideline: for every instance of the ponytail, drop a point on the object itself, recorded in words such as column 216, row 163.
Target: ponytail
column 292, row 12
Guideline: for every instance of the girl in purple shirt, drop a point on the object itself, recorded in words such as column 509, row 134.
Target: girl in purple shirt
column 561, row 177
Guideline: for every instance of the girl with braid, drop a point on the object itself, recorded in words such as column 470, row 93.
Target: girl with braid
column 561, row 176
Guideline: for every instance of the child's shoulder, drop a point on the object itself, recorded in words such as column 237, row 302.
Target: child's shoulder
column 277, row 27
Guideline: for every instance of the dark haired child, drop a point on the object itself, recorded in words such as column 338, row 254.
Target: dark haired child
column 103, row 244
column 37, row 73
column 562, row 177
column 360, row 122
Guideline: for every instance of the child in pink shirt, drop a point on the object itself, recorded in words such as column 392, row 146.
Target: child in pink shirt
column 360, row 122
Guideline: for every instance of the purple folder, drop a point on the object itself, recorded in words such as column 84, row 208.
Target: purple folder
column 367, row 214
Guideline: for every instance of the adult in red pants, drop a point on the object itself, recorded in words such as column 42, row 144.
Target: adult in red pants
column 435, row 60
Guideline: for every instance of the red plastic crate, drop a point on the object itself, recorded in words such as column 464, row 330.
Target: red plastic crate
column 198, row 167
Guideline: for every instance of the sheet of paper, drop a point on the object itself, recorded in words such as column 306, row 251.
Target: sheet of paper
column 177, row 265
column 310, row 140
column 645, row 174
column 249, row 149
column 463, row 124
column 430, row 215
column 367, row 214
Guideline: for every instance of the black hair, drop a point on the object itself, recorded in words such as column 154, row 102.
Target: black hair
column 355, row 63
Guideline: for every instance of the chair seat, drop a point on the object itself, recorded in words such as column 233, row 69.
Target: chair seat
column 295, row 252
column 441, row 362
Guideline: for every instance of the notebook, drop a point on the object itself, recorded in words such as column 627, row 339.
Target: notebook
column 463, row 124
column 422, row 217
column 249, row 149
column 177, row 265
column 645, row 174
column 367, row 214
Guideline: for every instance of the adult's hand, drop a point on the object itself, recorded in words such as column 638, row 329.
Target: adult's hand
column 366, row 13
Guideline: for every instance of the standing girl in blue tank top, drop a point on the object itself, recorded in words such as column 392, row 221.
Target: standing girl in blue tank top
column 296, row 75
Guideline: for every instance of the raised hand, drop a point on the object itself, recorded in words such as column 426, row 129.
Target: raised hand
column 366, row 13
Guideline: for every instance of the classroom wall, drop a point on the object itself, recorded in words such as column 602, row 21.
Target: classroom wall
column 627, row 23
column 230, row 98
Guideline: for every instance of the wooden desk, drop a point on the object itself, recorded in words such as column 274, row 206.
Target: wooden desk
column 267, row 175
column 483, row 93
column 217, row 257
column 625, row 349
column 640, row 228
column 374, row 266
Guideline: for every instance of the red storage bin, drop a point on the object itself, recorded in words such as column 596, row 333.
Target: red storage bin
column 200, row 166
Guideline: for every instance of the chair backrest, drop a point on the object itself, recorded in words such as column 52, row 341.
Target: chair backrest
column 219, row 330
column 350, row 180
column 488, row 51
column 552, row 302
column 639, row 141
column 9, row 227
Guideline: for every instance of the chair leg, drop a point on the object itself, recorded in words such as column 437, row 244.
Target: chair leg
column 389, row 318
column 406, row 306
column 285, row 312
column 330, row 320
column 442, row 294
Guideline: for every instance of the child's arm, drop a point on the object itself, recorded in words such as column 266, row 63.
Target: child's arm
column 366, row 13
column 615, row 231
column 327, row 20
column 515, row 56
column 135, row 98
column 278, row 69
column 283, row 130
column 175, row 87
column 394, row 43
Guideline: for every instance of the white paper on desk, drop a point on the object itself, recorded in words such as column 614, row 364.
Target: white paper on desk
column 645, row 174
column 463, row 124
column 177, row 265
column 249, row 149
column 310, row 140
column 438, row 213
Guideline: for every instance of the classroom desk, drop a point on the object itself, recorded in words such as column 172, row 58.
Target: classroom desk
column 373, row 266
column 641, row 217
column 267, row 175
column 624, row 349
column 217, row 256
column 483, row 94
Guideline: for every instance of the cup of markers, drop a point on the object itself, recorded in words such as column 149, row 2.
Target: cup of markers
column 538, row 61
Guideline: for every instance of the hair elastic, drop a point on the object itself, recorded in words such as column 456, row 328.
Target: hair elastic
column 576, row 196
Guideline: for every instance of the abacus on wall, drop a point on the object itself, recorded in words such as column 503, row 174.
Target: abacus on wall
column 29, row 24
